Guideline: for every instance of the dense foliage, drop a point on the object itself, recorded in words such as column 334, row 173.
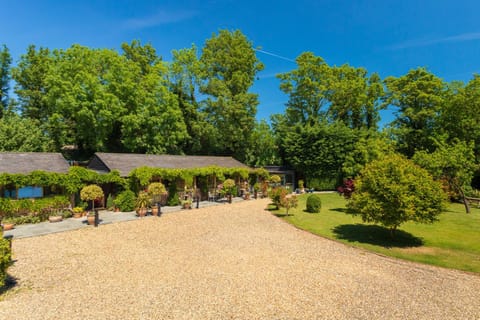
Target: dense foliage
column 395, row 190
column 201, row 102
column 453, row 165
column 277, row 195
column 5, row 258
column 125, row 201
column 91, row 193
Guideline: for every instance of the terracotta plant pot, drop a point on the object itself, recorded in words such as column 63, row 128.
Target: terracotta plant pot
column 91, row 220
column 78, row 215
column 55, row 218
column 154, row 211
column 142, row 212
column 8, row 226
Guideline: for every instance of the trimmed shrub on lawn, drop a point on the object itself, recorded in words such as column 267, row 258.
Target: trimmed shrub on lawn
column 314, row 203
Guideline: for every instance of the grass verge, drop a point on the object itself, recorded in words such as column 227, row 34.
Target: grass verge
column 452, row 242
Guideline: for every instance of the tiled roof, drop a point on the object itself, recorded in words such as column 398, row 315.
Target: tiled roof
column 26, row 162
column 126, row 162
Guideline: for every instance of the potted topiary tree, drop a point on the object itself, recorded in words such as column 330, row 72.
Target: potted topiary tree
column 301, row 186
column 157, row 192
column 275, row 180
column 142, row 203
column 256, row 189
column 229, row 187
column 91, row 193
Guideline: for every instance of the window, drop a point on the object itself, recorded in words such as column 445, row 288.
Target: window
column 25, row 192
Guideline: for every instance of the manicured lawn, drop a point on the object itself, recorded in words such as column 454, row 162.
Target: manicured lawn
column 452, row 242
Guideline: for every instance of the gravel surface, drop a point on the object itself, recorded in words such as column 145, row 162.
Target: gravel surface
column 226, row 262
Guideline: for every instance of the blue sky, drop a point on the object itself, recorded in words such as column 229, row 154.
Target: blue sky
column 385, row 36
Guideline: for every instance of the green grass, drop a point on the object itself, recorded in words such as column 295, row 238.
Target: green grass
column 451, row 242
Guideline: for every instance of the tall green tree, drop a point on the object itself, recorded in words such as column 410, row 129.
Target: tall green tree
column 318, row 91
column 307, row 88
column 184, row 79
column 263, row 149
column 30, row 76
column 419, row 97
column 451, row 163
column 156, row 124
column 229, row 66
column 460, row 116
column 5, row 62
column 367, row 148
column 81, row 108
column 22, row 135
column 355, row 97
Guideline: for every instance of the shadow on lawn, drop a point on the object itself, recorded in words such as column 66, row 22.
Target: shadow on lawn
column 376, row 235
column 282, row 215
column 342, row 210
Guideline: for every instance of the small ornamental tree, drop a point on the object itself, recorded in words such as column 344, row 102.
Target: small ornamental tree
column 277, row 195
column 228, row 187
column 394, row 190
column 275, row 179
column 452, row 164
column 289, row 202
column 156, row 190
column 347, row 188
column 91, row 193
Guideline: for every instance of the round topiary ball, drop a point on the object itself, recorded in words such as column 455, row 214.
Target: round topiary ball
column 314, row 203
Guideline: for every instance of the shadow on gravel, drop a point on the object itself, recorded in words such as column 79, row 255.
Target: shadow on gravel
column 10, row 283
column 376, row 235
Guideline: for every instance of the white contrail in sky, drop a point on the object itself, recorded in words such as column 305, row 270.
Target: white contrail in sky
column 274, row 55
column 428, row 42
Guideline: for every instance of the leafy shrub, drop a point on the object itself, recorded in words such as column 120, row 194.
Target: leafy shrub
column 229, row 186
column 347, row 188
column 173, row 198
column 23, row 219
column 300, row 184
column 125, row 201
column 110, row 203
column 5, row 259
column 66, row 214
column 277, row 195
column 395, row 190
column 289, row 202
column 314, row 203
column 156, row 188
column 31, row 210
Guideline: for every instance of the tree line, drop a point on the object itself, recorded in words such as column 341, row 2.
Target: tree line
column 200, row 103
column 132, row 101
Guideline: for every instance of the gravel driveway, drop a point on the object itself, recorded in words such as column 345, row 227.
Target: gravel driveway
column 226, row 262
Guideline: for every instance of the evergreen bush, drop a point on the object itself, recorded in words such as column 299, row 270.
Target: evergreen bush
column 314, row 203
column 5, row 258
column 125, row 201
